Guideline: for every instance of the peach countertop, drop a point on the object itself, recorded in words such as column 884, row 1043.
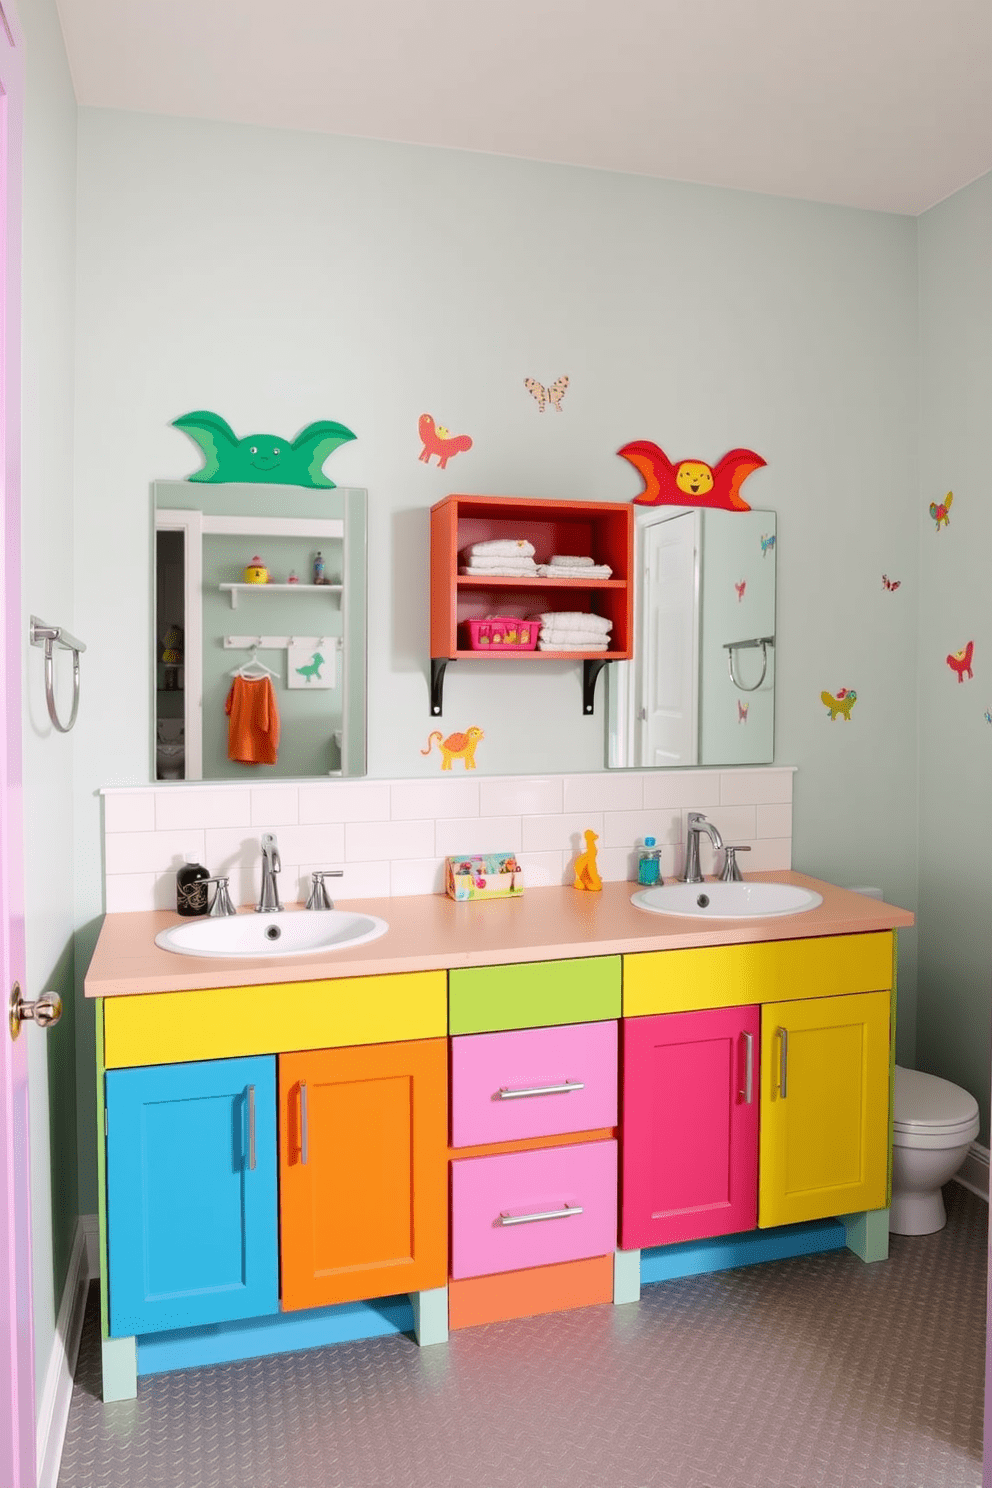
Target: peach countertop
column 434, row 933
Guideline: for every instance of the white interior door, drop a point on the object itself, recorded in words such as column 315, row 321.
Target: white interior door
column 668, row 705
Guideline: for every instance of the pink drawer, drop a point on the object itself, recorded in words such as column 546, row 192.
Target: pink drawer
column 494, row 1075
column 520, row 1187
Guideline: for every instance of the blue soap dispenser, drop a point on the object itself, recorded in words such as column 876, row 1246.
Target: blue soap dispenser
column 649, row 863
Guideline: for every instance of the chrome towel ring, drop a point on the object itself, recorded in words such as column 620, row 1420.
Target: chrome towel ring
column 731, row 647
column 51, row 636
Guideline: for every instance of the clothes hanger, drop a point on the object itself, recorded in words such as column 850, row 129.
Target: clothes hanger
column 253, row 661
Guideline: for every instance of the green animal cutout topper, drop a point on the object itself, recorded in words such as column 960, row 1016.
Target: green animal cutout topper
column 261, row 458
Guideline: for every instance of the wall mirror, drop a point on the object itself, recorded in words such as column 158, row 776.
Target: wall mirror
column 701, row 687
column 304, row 628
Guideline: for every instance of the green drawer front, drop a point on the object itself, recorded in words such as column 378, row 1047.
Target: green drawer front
column 536, row 994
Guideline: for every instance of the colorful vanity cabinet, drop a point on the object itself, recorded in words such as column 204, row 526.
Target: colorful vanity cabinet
column 419, row 1151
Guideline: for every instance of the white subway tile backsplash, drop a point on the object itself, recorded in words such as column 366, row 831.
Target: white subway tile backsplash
column 774, row 821
column 152, row 852
column 370, row 841
column 747, row 787
column 202, row 808
column 545, row 833
column 276, row 806
column 391, row 837
column 482, row 834
column 417, row 876
column 629, row 828
column 521, row 795
column 618, row 791
column 415, row 800
column 345, row 801
column 129, row 811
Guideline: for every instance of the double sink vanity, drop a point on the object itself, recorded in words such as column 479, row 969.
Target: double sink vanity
column 413, row 1114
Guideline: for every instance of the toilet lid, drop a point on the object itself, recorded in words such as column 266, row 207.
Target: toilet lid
column 927, row 1103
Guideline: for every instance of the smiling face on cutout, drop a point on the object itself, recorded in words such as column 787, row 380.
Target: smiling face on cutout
column 694, row 478
column 265, row 451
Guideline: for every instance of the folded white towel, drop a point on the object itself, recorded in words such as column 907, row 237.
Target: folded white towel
column 576, row 636
column 500, row 560
column 574, row 620
column 567, row 560
column 504, row 570
column 573, row 645
column 511, row 545
column 558, row 571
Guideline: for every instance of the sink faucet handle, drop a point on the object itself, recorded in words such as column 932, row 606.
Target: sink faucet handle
column 319, row 897
column 221, row 903
column 270, row 849
column 731, row 868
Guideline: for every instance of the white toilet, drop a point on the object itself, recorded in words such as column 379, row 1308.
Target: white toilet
column 170, row 749
column 935, row 1123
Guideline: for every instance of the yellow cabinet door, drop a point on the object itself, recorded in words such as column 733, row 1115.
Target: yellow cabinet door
column 824, row 1107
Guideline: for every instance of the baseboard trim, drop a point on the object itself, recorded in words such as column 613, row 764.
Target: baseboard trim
column 974, row 1171
column 56, row 1393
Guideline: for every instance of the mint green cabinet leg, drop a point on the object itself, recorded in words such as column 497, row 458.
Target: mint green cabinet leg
column 626, row 1276
column 120, row 1369
column 868, row 1234
column 430, row 1315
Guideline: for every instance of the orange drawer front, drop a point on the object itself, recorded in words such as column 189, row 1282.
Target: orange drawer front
column 533, row 1082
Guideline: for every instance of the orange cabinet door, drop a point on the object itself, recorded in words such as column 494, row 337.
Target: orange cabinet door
column 362, row 1172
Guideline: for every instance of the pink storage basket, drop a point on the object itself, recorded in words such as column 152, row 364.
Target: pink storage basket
column 503, row 633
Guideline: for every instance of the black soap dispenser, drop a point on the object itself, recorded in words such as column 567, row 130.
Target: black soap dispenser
column 191, row 889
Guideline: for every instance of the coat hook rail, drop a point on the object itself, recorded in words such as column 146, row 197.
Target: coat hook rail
column 51, row 636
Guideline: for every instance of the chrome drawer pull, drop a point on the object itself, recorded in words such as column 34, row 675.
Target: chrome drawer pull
column 747, row 1094
column 506, row 1093
column 515, row 1219
column 251, row 1128
column 304, row 1125
column 783, row 1077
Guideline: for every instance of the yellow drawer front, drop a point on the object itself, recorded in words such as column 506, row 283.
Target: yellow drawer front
column 171, row 1027
column 825, row 1143
column 769, row 971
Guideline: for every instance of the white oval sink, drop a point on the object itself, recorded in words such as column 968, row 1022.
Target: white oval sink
column 727, row 901
column 291, row 933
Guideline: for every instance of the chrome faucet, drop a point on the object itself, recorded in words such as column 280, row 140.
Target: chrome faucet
column 696, row 823
column 271, row 864
column 319, row 897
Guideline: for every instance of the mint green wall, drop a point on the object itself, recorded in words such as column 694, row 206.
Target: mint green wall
column 394, row 281
column 955, row 805
column 732, row 554
column 48, row 582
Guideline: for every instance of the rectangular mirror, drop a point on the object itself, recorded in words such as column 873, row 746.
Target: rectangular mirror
column 701, row 687
column 302, row 626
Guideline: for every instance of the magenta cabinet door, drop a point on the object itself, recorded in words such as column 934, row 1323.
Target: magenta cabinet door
column 690, row 1126
column 533, row 1082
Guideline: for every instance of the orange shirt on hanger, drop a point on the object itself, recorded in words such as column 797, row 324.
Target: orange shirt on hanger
column 253, row 731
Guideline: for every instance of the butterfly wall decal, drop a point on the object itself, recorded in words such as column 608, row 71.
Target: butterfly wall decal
column 742, row 711
column 546, row 395
column 941, row 511
column 890, row 584
column 740, row 589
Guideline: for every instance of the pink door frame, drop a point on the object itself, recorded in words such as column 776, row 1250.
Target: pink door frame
column 17, row 1404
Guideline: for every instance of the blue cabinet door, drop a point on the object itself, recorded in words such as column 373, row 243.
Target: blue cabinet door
column 191, row 1194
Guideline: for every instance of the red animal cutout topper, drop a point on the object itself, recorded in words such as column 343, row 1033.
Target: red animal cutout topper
column 437, row 441
column 960, row 661
column 690, row 482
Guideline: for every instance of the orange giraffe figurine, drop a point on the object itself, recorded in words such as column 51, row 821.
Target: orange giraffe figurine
column 586, row 872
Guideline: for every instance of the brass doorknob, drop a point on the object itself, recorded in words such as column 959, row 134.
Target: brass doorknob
column 46, row 1011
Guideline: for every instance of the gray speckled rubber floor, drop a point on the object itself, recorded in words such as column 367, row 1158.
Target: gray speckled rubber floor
column 819, row 1372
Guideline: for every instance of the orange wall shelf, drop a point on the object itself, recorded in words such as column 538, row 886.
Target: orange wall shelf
column 601, row 530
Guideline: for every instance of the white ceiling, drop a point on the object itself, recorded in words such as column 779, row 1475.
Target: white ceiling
column 884, row 104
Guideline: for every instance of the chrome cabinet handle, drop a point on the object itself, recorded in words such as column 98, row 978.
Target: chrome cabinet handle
column 515, row 1219
column 304, row 1125
column 506, row 1092
column 783, row 1068
column 747, row 1094
column 251, row 1128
